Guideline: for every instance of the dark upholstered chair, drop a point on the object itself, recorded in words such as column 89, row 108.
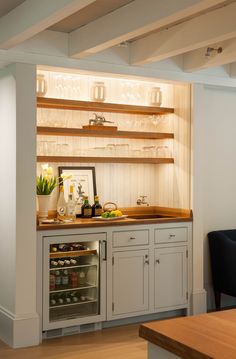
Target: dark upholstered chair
column 223, row 263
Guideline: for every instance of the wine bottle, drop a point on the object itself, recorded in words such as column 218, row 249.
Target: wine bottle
column 74, row 280
column 63, row 247
column 86, row 209
column 74, row 297
column 53, row 300
column 65, row 278
column 53, row 248
column 96, row 207
column 71, row 205
column 82, row 278
column 57, row 279
column 68, row 298
column 53, row 263
column 60, row 299
column 73, row 262
column 52, row 282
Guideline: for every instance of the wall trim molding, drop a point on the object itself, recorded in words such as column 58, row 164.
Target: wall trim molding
column 19, row 330
column 199, row 301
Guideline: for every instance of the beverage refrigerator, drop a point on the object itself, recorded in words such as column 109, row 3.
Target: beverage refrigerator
column 74, row 280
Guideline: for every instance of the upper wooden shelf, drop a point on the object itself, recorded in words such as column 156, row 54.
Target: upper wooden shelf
column 62, row 131
column 45, row 102
column 75, row 159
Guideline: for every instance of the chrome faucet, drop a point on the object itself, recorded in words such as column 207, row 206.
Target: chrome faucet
column 141, row 201
column 99, row 120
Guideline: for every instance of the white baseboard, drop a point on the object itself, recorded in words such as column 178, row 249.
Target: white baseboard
column 198, row 302
column 19, row 331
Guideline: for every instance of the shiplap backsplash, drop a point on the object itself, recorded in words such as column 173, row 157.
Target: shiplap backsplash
column 164, row 185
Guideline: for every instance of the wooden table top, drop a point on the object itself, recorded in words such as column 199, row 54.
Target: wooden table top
column 205, row 336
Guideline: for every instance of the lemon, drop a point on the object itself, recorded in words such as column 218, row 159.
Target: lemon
column 118, row 213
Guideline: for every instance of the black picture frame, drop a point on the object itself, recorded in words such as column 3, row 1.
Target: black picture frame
column 83, row 179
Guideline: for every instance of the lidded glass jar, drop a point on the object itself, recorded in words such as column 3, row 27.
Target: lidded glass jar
column 155, row 96
column 41, row 85
column 98, row 92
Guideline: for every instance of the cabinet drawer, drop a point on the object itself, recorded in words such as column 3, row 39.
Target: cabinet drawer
column 171, row 235
column 130, row 238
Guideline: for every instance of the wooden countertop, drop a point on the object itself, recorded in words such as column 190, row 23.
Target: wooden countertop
column 175, row 215
column 206, row 336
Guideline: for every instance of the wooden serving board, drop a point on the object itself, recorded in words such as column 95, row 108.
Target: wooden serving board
column 100, row 128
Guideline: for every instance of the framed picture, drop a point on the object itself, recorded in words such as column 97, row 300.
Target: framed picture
column 84, row 182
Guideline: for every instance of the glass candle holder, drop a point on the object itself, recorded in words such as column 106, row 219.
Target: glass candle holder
column 41, row 85
column 155, row 96
column 98, row 92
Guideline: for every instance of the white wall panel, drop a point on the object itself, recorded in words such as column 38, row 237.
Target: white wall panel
column 164, row 185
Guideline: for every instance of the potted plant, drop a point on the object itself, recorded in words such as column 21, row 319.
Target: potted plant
column 45, row 184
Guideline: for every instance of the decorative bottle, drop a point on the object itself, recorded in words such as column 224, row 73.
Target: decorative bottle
column 61, row 204
column 71, row 205
column 86, row 209
column 96, row 207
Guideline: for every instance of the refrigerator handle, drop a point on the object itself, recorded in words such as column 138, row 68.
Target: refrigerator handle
column 103, row 250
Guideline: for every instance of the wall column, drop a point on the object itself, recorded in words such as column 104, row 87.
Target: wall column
column 198, row 116
column 19, row 322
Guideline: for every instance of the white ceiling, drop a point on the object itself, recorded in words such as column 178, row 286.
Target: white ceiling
column 152, row 30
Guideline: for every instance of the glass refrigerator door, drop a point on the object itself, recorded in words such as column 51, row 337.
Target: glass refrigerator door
column 73, row 278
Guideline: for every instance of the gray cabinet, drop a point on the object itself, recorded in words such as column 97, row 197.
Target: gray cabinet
column 170, row 277
column 130, row 277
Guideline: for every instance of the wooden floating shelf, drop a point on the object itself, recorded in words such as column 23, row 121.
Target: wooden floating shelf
column 103, row 159
column 73, row 253
column 62, row 104
column 62, row 131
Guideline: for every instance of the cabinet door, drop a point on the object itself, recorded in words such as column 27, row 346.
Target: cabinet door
column 130, row 274
column 170, row 276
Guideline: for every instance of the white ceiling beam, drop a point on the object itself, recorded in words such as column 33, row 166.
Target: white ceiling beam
column 214, row 26
column 132, row 20
column 196, row 60
column 32, row 17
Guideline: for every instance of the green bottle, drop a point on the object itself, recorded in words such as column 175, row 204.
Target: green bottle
column 96, row 207
column 86, row 209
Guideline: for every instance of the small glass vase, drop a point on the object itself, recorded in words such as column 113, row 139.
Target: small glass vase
column 41, row 85
column 43, row 205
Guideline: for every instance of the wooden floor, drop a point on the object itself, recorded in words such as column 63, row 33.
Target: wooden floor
column 113, row 343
